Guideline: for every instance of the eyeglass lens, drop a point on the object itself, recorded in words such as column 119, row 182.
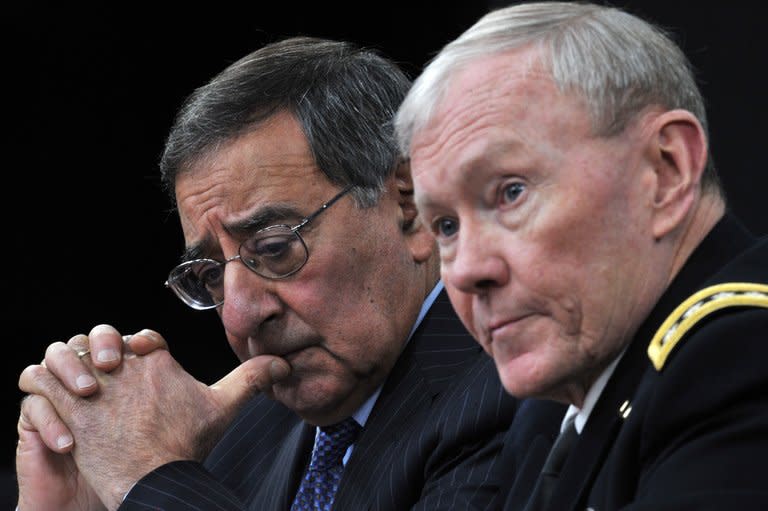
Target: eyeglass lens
column 274, row 252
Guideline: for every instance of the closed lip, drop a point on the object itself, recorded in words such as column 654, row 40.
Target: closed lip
column 292, row 352
column 499, row 324
column 288, row 352
column 283, row 351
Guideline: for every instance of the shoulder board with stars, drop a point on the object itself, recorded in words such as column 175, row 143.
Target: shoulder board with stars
column 699, row 305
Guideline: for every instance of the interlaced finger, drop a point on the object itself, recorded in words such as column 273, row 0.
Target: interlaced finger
column 38, row 379
column 71, row 370
column 38, row 414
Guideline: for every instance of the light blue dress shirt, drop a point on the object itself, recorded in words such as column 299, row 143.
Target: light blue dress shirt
column 361, row 415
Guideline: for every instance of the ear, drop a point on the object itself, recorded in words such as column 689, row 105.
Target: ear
column 678, row 148
column 420, row 241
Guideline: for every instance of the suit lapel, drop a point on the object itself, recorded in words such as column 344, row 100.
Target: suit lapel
column 605, row 421
column 526, row 446
column 527, row 473
column 281, row 482
column 600, row 431
column 436, row 351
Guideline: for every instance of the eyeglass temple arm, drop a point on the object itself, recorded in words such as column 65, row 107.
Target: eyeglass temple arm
column 322, row 208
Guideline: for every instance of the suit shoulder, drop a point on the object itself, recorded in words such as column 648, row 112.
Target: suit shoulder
column 698, row 307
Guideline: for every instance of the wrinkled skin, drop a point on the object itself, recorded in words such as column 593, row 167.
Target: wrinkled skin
column 554, row 242
column 320, row 341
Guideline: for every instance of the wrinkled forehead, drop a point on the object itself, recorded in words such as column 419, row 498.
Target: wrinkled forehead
column 495, row 105
column 265, row 170
column 483, row 89
column 272, row 152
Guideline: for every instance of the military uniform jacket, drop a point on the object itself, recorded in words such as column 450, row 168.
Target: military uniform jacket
column 431, row 442
column 691, row 434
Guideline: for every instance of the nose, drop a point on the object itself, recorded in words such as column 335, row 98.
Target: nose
column 477, row 264
column 249, row 301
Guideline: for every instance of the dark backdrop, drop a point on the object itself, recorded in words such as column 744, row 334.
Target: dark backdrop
column 89, row 233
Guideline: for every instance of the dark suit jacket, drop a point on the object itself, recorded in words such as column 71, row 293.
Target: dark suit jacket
column 696, row 437
column 431, row 442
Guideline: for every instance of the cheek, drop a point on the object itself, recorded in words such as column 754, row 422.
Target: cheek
column 579, row 268
column 462, row 304
column 239, row 347
column 337, row 283
column 337, row 296
column 564, row 252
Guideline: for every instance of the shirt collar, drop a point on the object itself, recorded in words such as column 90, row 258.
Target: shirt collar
column 582, row 414
column 361, row 415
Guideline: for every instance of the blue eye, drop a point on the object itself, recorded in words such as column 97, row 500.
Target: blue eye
column 512, row 191
column 447, row 227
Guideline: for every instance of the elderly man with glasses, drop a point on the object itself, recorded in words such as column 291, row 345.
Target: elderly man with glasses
column 337, row 314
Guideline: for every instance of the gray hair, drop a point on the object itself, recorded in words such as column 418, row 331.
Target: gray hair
column 616, row 62
column 344, row 97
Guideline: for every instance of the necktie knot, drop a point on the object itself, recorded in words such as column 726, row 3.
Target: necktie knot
column 322, row 477
column 332, row 442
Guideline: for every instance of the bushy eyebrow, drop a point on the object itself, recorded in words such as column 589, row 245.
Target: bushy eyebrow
column 193, row 252
column 260, row 219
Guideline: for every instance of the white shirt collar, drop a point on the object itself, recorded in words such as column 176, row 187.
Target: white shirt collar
column 582, row 414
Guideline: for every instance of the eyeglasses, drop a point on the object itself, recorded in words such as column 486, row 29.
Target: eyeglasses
column 274, row 252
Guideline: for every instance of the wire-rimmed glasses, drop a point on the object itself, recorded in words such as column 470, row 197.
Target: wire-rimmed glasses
column 274, row 252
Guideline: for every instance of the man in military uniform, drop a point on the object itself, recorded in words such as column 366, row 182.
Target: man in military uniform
column 560, row 157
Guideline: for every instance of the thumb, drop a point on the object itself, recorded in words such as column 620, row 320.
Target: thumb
column 256, row 374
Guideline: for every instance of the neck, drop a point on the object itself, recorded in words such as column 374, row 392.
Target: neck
column 707, row 212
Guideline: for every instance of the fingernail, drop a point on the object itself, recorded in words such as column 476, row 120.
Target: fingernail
column 108, row 355
column 84, row 381
column 147, row 333
column 64, row 441
column 278, row 371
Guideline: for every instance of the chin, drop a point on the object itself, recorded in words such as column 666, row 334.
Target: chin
column 310, row 397
column 522, row 377
column 515, row 387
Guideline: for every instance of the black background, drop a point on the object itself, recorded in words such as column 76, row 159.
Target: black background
column 89, row 236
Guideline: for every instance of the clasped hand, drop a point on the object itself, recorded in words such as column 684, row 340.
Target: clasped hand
column 91, row 427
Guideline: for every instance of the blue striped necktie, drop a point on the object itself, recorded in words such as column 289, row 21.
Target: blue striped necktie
column 321, row 480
